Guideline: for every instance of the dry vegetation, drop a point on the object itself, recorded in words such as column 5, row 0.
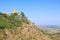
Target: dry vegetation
column 22, row 30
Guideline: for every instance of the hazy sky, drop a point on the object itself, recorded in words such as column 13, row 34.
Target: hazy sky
column 41, row 12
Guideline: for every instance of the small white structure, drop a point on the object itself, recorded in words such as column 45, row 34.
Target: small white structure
column 14, row 11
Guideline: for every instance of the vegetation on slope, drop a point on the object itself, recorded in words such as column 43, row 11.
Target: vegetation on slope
column 17, row 27
column 12, row 20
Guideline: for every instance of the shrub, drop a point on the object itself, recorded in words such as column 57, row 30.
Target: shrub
column 12, row 21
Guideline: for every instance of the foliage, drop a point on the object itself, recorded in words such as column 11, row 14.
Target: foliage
column 24, row 18
column 12, row 21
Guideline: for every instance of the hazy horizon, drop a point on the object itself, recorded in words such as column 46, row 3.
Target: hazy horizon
column 41, row 12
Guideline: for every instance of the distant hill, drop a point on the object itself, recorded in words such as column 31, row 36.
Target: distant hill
column 53, row 32
column 16, row 26
column 50, row 29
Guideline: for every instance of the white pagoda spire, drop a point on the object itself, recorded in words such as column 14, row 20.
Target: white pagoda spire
column 14, row 11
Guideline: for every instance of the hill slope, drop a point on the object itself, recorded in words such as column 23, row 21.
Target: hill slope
column 21, row 29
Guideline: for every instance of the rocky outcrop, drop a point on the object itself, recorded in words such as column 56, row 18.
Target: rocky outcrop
column 26, row 32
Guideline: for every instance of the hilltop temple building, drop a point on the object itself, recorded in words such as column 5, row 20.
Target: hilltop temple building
column 14, row 11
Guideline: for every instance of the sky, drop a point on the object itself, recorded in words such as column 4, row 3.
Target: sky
column 40, row 12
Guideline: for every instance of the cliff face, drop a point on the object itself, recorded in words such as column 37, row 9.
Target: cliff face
column 26, row 32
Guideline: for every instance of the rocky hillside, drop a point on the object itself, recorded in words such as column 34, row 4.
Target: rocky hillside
column 17, row 27
column 26, row 32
